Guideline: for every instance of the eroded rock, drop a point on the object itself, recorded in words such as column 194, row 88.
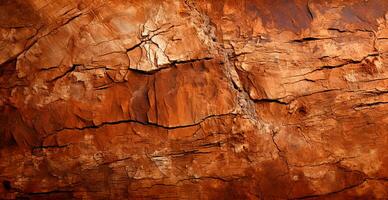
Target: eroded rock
column 193, row 99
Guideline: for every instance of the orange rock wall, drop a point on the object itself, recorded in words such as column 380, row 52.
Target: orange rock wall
column 229, row 99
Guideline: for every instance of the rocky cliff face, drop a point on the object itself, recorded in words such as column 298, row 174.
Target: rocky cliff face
column 231, row 99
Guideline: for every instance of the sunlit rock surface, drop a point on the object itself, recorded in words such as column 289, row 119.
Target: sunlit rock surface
column 243, row 99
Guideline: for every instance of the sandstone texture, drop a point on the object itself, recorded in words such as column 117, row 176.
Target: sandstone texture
column 219, row 99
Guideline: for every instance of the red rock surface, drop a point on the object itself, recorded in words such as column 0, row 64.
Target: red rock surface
column 230, row 99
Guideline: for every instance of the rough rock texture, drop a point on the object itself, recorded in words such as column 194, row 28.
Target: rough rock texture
column 231, row 99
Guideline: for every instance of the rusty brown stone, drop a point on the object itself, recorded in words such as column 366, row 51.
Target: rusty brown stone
column 229, row 99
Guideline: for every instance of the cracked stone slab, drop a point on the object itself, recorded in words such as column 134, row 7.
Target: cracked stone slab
column 181, row 99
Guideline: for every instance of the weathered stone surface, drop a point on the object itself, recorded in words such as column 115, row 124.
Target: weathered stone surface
column 193, row 99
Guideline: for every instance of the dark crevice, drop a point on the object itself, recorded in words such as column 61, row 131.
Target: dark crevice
column 325, row 67
column 214, row 144
column 106, row 86
column 179, row 154
column 185, row 153
column 71, row 69
column 314, row 196
column 190, row 60
column 219, row 178
column 278, row 101
column 349, row 31
column 368, row 105
column 144, row 123
column 307, row 39
column 168, row 66
column 150, row 72
column 148, row 38
column 338, row 30
column 280, row 152
column 71, row 19
column 304, row 79
column 134, row 46
column 49, row 68
column 234, row 55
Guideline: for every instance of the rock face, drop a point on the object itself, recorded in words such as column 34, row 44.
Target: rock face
column 230, row 99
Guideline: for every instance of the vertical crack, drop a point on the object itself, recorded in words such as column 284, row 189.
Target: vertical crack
column 206, row 32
